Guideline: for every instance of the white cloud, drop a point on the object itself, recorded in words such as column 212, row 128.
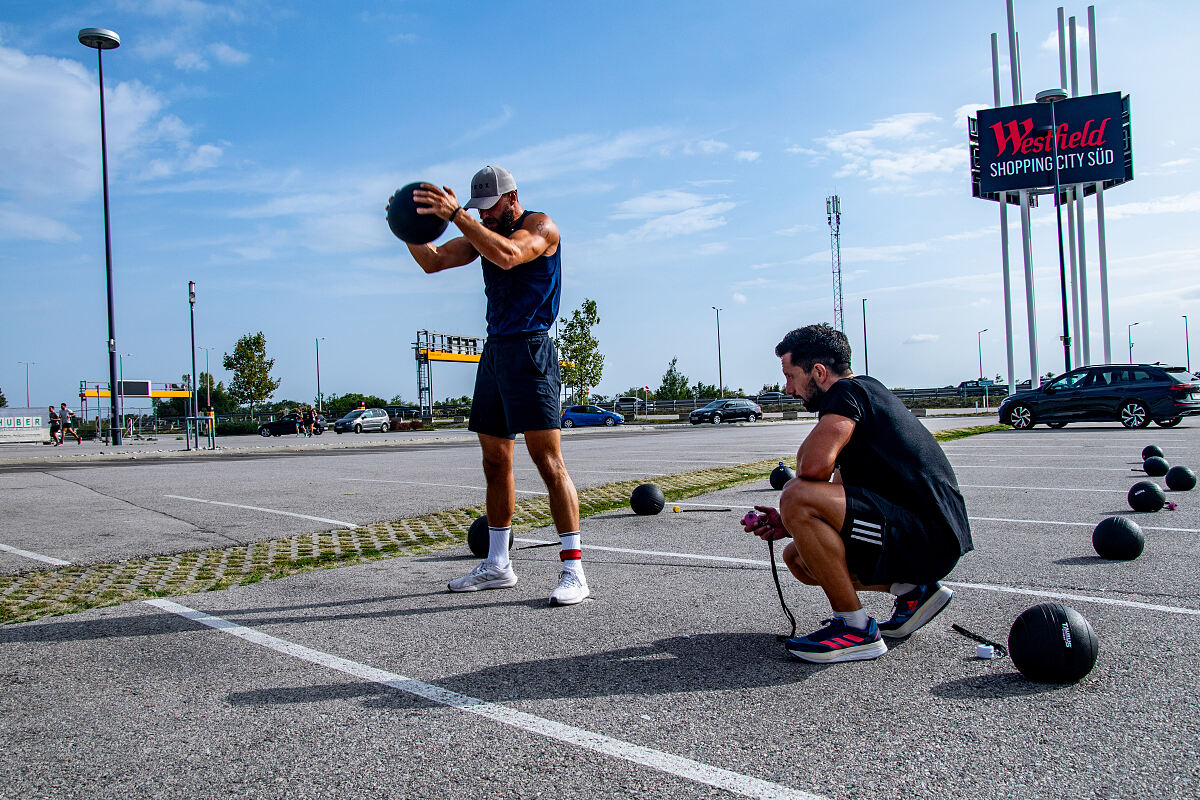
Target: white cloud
column 665, row 201
column 16, row 224
column 962, row 112
column 1180, row 203
column 229, row 56
column 740, row 298
column 1050, row 43
column 896, row 150
column 705, row 147
column 683, row 223
column 746, row 155
column 921, row 338
column 494, row 124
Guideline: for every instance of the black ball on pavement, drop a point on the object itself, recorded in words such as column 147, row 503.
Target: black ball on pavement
column 781, row 475
column 1181, row 479
column 1146, row 496
column 1118, row 539
column 1053, row 643
column 407, row 224
column 1155, row 466
column 1151, row 450
column 647, row 499
column 479, row 539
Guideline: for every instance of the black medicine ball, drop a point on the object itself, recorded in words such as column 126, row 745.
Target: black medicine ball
column 781, row 475
column 1053, row 643
column 1155, row 466
column 1146, row 496
column 1151, row 450
column 479, row 539
column 1118, row 539
column 1181, row 479
column 407, row 224
column 647, row 499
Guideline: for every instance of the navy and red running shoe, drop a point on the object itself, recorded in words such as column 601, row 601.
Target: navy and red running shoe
column 837, row 641
column 916, row 608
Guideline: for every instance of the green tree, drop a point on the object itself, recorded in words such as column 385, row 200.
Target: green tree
column 3, row 399
column 583, row 363
column 352, row 400
column 702, row 389
column 674, row 384
column 639, row 392
column 252, row 383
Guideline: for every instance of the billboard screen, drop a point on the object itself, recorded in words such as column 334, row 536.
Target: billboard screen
column 1016, row 151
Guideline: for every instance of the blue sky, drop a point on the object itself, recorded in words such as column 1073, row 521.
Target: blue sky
column 685, row 150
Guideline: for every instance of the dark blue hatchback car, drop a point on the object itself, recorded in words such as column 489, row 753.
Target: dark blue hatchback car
column 1132, row 394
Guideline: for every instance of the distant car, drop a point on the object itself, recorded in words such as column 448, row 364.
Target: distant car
column 287, row 427
column 589, row 415
column 629, row 404
column 1132, row 394
column 719, row 411
column 772, row 397
column 364, row 419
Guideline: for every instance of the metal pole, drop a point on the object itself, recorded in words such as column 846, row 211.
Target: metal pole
column 1129, row 333
column 1014, row 62
column 193, row 393
column 1062, row 71
column 108, row 272
column 1062, row 261
column 1083, row 325
column 866, row 361
column 27, row 363
column 979, row 341
column 320, row 404
column 720, row 374
column 1006, row 268
column 1102, row 250
column 1187, row 343
column 121, row 387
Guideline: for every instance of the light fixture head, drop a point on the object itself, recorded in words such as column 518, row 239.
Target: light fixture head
column 99, row 38
column 1051, row 95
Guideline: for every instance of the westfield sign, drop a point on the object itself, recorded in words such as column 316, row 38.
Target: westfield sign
column 1013, row 147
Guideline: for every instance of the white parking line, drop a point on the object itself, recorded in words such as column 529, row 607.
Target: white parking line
column 1027, row 467
column 686, row 768
column 16, row 551
column 445, row 485
column 338, row 522
column 1082, row 598
column 1036, row 488
column 1081, row 524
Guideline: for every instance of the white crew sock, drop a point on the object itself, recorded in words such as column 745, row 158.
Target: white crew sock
column 498, row 546
column 571, row 554
column 855, row 619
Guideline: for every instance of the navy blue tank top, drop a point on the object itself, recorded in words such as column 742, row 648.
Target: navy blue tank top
column 523, row 299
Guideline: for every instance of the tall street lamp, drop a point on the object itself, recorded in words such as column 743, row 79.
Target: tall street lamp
column 1129, row 331
column 979, row 342
column 1050, row 97
column 720, row 376
column 866, row 361
column 1187, row 343
column 100, row 40
column 194, row 392
column 27, row 365
column 121, row 384
column 207, row 350
column 320, row 400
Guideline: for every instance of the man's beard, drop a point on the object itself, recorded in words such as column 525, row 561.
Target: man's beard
column 504, row 225
column 813, row 401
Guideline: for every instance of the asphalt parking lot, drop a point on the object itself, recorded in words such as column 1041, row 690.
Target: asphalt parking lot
column 372, row 681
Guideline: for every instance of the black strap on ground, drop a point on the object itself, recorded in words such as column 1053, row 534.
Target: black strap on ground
column 1001, row 650
column 779, row 589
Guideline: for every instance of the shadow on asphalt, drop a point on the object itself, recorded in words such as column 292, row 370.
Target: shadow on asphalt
column 1005, row 684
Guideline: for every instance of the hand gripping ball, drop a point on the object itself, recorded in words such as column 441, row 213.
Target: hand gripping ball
column 407, row 224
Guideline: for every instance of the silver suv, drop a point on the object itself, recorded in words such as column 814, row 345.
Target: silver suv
column 364, row 419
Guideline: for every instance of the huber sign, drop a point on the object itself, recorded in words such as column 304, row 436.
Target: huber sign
column 1016, row 148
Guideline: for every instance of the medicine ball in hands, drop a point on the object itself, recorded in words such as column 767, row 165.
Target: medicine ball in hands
column 407, row 224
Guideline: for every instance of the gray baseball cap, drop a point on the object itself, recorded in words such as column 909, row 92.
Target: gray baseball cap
column 488, row 185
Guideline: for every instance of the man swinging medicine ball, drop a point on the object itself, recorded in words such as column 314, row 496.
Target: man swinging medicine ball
column 517, row 383
column 892, row 518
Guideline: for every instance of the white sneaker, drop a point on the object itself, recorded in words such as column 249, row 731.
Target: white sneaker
column 485, row 576
column 572, row 589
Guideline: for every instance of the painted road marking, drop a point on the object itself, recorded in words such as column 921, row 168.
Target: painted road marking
column 1035, row 488
column 16, row 551
column 686, row 768
column 444, row 485
column 1083, row 598
column 338, row 522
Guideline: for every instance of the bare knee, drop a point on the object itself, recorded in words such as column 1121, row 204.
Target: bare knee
column 796, row 566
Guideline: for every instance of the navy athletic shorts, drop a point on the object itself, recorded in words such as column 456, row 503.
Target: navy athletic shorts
column 887, row 543
column 516, row 387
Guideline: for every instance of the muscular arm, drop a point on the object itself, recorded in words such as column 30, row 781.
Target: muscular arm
column 454, row 253
column 817, row 457
column 537, row 235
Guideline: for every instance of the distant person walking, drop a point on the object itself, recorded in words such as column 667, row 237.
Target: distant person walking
column 55, row 436
column 67, row 422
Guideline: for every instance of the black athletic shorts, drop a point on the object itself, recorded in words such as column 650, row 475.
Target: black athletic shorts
column 516, row 387
column 887, row 543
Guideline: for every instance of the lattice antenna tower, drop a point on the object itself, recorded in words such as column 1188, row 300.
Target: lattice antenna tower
column 833, row 212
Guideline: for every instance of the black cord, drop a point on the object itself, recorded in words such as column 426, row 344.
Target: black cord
column 1001, row 650
column 779, row 589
